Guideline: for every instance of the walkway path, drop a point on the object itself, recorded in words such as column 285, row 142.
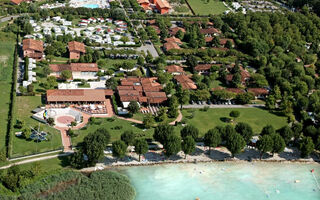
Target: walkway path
column 36, row 159
column 130, row 120
column 179, row 118
column 224, row 106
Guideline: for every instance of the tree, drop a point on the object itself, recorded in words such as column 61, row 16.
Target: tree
column 172, row 145
column 52, row 81
column 278, row 143
column 46, row 70
column 234, row 114
column 94, row 145
column 162, row 133
column 141, row 60
column 128, row 137
column 183, row 97
column 189, row 130
column 30, row 88
column 264, row 144
column 270, row 102
column 66, row 74
column 212, row 138
column 245, row 130
column 141, row 147
column 118, row 13
column 267, row 130
column 162, row 114
column 148, row 121
column 112, row 83
column 77, row 159
column 188, row 145
column 235, row 143
column 133, row 107
column 119, row 149
column 149, row 58
column 124, row 39
column 244, row 98
column 306, row 147
column 36, row 168
column 286, row 134
column 26, row 133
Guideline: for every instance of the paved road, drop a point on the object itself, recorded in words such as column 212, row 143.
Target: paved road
column 224, row 106
column 4, row 19
column 150, row 48
column 35, row 160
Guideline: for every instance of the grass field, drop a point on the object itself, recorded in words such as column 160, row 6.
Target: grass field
column 24, row 106
column 256, row 117
column 115, row 127
column 206, row 7
column 6, row 68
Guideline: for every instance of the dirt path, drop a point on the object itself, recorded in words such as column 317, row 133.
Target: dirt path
column 179, row 118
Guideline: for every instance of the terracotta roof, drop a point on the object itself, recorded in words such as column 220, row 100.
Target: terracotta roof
column 244, row 75
column 125, row 87
column 173, row 39
column 163, row 4
column 235, row 90
column 185, row 82
column 174, row 68
column 143, row 1
column 208, row 39
column 156, row 97
column 75, row 67
column 67, row 95
column 156, row 28
column 209, row 31
column 17, row 2
column 203, row 67
column 220, row 48
column 151, row 22
column 170, row 45
column 32, row 44
column 174, row 31
column 76, row 46
column 224, row 41
column 258, row 91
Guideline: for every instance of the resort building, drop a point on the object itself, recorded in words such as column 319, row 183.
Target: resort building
column 210, row 31
column 17, row 2
column 145, row 4
column 33, row 49
column 185, row 82
column 79, row 70
column 245, row 76
column 259, row 93
column 143, row 90
column 174, row 31
column 76, row 49
column 78, row 96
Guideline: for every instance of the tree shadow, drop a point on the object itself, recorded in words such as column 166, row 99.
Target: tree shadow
column 225, row 119
column 64, row 160
column 40, row 90
column 197, row 152
column 217, row 155
column 292, row 154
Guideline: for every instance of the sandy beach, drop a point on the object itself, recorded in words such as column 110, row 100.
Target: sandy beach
column 219, row 154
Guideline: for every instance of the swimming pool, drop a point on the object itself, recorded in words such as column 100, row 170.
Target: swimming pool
column 225, row 181
column 91, row 6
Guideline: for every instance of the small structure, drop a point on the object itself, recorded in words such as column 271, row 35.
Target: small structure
column 259, row 93
column 76, row 49
column 32, row 49
column 163, row 6
column 175, row 69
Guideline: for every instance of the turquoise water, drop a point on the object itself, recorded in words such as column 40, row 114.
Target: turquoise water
column 225, row 181
column 91, row 6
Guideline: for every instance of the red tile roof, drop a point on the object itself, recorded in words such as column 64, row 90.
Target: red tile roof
column 81, row 95
column 209, row 31
column 208, row 39
column 224, row 41
column 75, row 67
column 185, row 82
column 17, row 2
column 76, row 46
column 163, row 4
column 173, row 39
column 203, row 67
column 156, row 28
column 174, row 31
column 235, row 90
column 174, row 68
column 258, row 91
column 170, row 45
column 31, row 44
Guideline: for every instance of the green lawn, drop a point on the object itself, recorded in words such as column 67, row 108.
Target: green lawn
column 110, row 63
column 6, row 67
column 206, row 7
column 115, row 127
column 256, row 117
column 24, row 106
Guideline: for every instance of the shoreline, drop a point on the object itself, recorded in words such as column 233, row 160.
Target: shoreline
column 216, row 156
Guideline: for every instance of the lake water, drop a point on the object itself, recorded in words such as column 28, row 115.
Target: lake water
column 225, row 181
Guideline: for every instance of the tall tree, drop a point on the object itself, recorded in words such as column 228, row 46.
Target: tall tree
column 128, row 137
column 265, row 144
column 245, row 130
column 162, row 133
column 235, row 143
column 141, row 147
column 306, row 147
column 278, row 143
column 148, row 121
column 172, row 145
column 119, row 149
column 189, row 130
column 188, row 145
column 286, row 134
column 212, row 138
column 133, row 107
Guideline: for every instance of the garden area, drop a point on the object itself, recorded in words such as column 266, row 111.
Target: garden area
column 6, row 62
column 207, row 7
column 257, row 118
column 22, row 146
column 114, row 126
